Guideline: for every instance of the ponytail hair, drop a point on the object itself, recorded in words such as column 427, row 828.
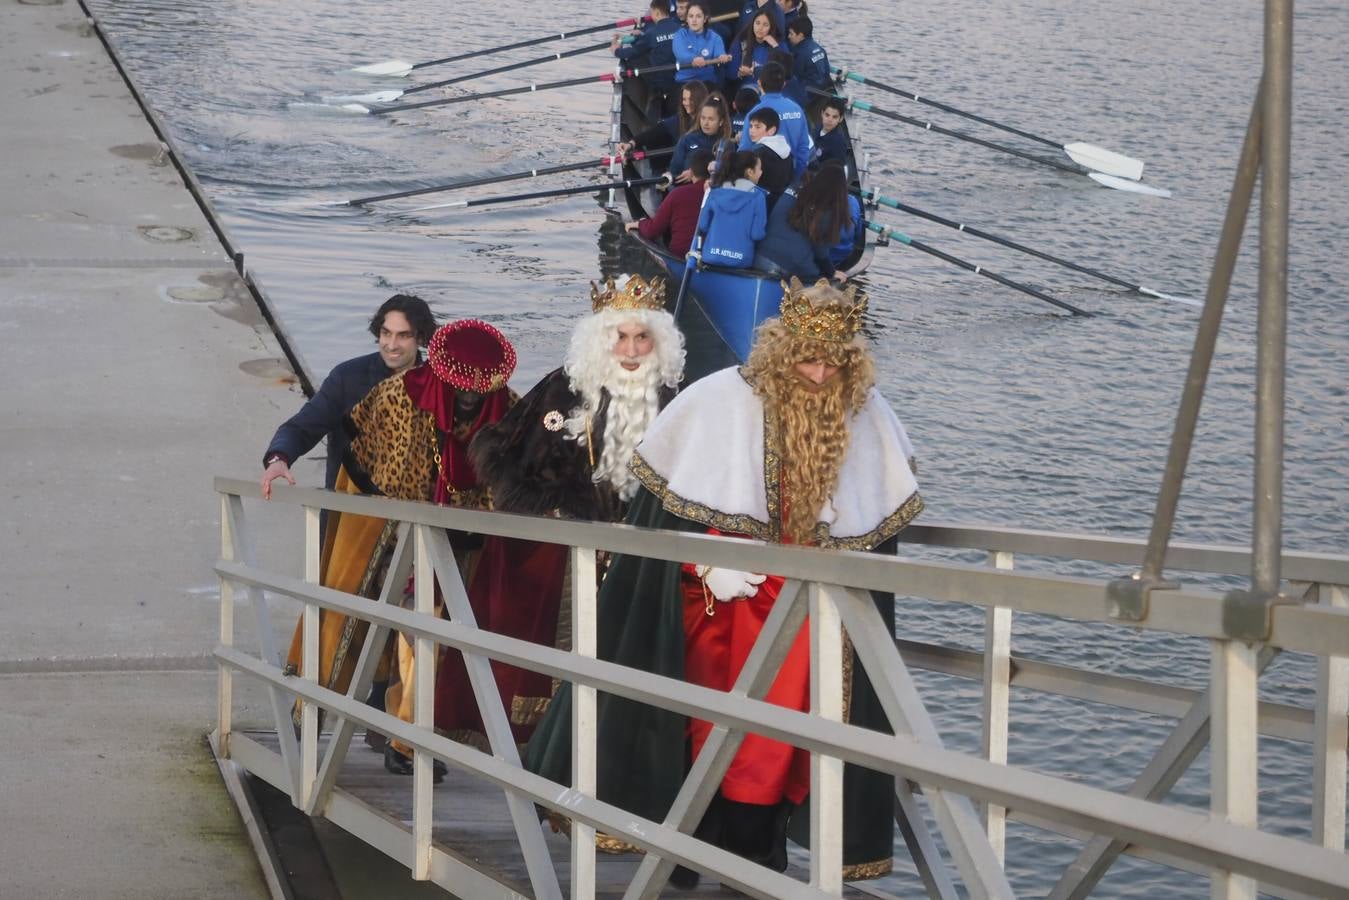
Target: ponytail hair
column 734, row 164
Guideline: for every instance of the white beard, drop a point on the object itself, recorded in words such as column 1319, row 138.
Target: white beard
column 634, row 400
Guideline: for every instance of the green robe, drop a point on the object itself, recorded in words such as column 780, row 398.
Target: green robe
column 642, row 753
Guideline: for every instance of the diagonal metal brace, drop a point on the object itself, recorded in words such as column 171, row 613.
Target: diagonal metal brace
column 1129, row 599
column 1249, row 615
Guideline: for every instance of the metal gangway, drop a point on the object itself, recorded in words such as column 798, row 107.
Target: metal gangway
column 969, row 796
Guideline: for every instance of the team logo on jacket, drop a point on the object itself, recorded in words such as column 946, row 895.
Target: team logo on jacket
column 705, row 53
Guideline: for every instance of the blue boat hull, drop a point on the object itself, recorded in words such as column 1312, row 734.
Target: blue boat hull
column 733, row 303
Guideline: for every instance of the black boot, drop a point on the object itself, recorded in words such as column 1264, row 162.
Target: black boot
column 373, row 739
column 709, row 831
column 758, row 832
column 399, row 764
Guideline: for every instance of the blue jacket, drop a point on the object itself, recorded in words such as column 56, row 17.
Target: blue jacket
column 786, row 249
column 692, row 141
column 793, row 127
column 810, row 65
column 832, row 145
column 688, row 44
column 758, row 57
column 732, row 220
column 346, row 385
column 653, row 47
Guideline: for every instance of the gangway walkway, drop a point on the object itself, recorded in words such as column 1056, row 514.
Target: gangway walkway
column 968, row 796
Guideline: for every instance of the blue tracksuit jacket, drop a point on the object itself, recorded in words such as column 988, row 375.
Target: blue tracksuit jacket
column 793, row 127
column 733, row 218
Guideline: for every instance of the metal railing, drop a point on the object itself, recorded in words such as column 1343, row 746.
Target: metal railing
column 830, row 587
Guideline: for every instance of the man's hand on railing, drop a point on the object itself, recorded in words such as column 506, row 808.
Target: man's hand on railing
column 277, row 468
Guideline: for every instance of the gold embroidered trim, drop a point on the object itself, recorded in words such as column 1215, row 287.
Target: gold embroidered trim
column 847, row 676
column 695, row 512
column 528, row 710
column 875, row 869
column 603, row 842
column 372, row 568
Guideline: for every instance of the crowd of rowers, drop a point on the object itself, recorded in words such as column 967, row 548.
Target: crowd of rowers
column 796, row 446
column 759, row 156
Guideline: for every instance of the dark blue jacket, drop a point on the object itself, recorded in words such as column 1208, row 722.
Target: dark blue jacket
column 653, row 47
column 786, row 249
column 346, row 385
column 731, row 221
column 810, row 66
column 758, row 57
column 852, row 236
column 692, row 141
column 793, row 126
column 831, row 145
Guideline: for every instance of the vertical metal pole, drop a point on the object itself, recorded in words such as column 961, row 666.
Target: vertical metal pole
column 225, row 687
column 1205, row 340
column 826, row 772
column 997, row 683
column 1332, row 737
column 584, row 718
column 615, row 133
column 1273, row 315
column 423, row 709
column 309, row 712
column 1235, row 737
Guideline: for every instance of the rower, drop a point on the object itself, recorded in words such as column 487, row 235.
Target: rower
column 652, row 47
column 792, row 125
column 773, row 152
column 810, row 68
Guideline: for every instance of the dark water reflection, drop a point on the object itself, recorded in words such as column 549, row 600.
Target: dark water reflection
column 1021, row 416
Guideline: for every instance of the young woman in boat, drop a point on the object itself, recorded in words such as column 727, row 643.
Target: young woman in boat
column 677, row 219
column 804, row 225
column 750, row 51
column 714, row 128
column 735, row 212
column 668, row 131
column 698, row 50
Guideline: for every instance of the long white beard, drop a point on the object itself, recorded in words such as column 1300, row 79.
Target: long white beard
column 634, row 400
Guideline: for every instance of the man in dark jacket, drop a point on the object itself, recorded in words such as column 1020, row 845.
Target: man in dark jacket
column 401, row 325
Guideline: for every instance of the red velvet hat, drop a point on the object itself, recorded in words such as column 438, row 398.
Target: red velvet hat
column 471, row 355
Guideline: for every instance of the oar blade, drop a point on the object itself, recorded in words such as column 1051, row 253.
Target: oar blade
column 375, row 97
column 392, row 68
column 1122, row 184
column 1161, row 296
column 1099, row 159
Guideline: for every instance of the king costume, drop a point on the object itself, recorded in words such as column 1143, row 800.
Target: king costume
column 409, row 440
column 563, row 451
column 723, row 459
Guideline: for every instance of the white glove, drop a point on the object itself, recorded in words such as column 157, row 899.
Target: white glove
column 729, row 584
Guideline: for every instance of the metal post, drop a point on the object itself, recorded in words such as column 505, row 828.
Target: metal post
column 585, row 718
column 1332, row 737
column 1266, row 544
column 1234, row 778
column 423, row 709
column 997, row 695
column 225, row 687
column 309, row 665
column 826, row 772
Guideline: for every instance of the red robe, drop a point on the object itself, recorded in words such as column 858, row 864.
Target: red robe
column 764, row 771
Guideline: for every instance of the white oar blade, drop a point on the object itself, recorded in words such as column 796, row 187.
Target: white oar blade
column 375, row 97
column 1133, row 187
column 1099, row 159
column 393, row 68
column 455, row 205
column 1161, row 296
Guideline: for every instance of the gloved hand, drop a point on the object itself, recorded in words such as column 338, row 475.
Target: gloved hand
column 729, row 584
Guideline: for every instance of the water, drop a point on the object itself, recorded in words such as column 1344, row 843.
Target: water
column 1021, row 416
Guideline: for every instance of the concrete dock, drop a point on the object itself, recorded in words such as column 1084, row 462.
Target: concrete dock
column 136, row 366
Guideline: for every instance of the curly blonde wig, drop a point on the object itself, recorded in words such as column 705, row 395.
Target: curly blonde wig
column 812, row 420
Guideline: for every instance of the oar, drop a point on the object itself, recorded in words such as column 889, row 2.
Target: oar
column 691, row 262
column 556, row 192
column 398, row 68
column 513, row 176
column 876, row 197
column 1097, row 159
column 390, row 96
column 1110, row 181
column 971, row 267
column 507, row 92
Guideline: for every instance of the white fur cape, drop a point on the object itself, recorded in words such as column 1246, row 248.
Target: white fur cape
column 705, row 457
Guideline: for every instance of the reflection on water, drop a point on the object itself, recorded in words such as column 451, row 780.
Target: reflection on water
column 1021, row 416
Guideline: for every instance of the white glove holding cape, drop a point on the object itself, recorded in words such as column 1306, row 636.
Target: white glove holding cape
column 730, row 584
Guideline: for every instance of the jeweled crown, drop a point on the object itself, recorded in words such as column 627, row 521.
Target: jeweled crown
column 821, row 312
column 636, row 293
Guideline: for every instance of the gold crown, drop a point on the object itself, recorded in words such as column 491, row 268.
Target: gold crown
column 637, row 293
column 821, row 312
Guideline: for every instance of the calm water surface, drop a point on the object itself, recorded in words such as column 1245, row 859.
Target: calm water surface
column 1021, row 416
